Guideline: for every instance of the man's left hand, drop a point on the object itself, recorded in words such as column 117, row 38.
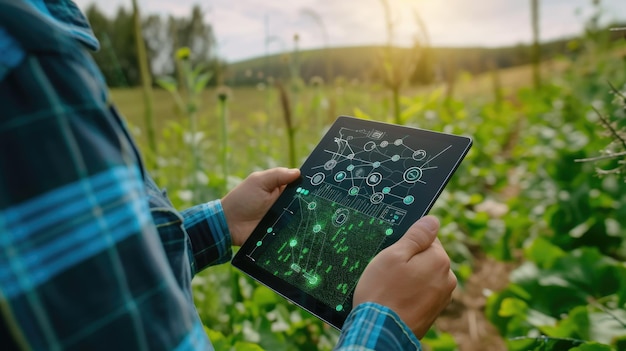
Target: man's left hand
column 245, row 205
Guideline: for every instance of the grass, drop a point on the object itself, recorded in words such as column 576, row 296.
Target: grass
column 249, row 105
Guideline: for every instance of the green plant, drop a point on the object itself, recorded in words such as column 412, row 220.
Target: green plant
column 188, row 102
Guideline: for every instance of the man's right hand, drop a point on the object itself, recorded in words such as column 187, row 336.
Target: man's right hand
column 412, row 277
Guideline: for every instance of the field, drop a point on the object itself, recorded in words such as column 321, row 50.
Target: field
column 538, row 239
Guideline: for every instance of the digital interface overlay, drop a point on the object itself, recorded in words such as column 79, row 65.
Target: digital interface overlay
column 360, row 190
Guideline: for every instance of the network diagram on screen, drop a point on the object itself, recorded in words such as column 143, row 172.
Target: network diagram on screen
column 350, row 202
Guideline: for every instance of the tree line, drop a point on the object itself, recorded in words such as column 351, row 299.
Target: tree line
column 117, row 57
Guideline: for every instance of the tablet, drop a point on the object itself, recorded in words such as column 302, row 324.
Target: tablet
column 361, row 188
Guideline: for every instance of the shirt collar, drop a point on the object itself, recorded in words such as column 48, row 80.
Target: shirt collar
column 40, row 26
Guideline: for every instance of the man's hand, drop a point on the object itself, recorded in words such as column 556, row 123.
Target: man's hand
column 245, row 205
column 412, row 277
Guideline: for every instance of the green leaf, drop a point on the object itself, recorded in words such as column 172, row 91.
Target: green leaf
column 592, row 346
column 590, row 271
column 438, row 341
column 201, row 81
column 263, row 296
column 539, row 319
column 511, row 307
column 214, row 335
column 542, row 343
column 575, row 325
column 219, row 341
column 543, row 253
column 167, row 83
column 247, row 346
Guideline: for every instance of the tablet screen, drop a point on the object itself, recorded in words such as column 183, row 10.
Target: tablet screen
column 360, row 189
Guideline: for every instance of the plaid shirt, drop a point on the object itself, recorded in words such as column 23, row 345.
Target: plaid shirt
column 92, row 253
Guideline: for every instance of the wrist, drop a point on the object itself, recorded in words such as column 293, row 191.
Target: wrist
column 230, row 222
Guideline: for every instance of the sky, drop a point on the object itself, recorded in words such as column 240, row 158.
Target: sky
column 242, row 26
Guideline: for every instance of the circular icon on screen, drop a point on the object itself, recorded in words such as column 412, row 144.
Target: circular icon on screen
column 413, row 174
column 377, row 198
column 419, row 155
column 340, row 217
column 340, row 176
column 374, row 179
column 330, row 165
column 318, row 178
column 354, row 191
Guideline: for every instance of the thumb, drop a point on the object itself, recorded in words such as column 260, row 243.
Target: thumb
column 419, row 237
column 277, row 177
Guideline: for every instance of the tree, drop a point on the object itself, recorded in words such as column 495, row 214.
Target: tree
column 107, row 58
column 118, row 55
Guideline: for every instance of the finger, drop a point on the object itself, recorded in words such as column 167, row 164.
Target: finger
column 437, row 242
column 419, row 236
column 452, row 282
column 275, row 178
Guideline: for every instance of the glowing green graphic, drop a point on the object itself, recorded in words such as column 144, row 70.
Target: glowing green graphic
column 259, row 243
column 351, row 202
column 302, row 191
column 312, row 279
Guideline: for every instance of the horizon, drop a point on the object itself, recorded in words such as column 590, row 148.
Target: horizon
column 242, row 27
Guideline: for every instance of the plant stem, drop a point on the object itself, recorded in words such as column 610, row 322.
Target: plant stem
column 224, row 119
column 396, row 105
column 604, row 157
column 291, row 130
column 146, row 81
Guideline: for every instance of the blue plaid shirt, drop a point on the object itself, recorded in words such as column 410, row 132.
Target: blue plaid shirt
column 92, row 253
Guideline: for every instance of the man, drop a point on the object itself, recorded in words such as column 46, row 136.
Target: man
column 93, row 255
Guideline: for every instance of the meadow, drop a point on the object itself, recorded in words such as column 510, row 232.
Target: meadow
column 537, row 238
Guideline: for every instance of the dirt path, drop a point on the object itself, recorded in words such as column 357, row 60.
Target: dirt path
column 465, row 318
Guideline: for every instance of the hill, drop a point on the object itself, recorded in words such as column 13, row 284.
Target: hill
column 361, row 62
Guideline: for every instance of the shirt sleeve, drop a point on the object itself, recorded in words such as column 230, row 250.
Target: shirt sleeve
column 373, row 327
column 209, row 235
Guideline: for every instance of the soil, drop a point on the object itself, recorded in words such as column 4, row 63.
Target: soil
column 465, row 319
